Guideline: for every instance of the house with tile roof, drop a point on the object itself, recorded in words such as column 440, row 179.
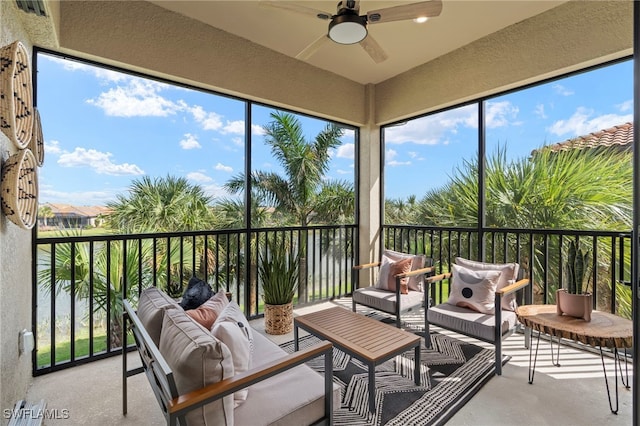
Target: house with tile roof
column 618, row 137
column 67, row 216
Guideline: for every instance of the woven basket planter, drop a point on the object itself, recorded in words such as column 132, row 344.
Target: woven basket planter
column 36, row 145
column 278, row 319
column 16, row 94
column 19, row 189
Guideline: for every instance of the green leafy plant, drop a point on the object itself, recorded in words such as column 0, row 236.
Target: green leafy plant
column 577, row 268
column 278, row 269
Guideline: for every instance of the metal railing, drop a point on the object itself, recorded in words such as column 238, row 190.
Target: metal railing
column 541, row 253
column 80, row 281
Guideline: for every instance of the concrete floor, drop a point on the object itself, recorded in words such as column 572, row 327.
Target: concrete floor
column 573, row 394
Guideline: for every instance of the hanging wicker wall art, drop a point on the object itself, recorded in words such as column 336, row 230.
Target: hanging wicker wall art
column 36, row 145
column 19, row 189
column 16, row 97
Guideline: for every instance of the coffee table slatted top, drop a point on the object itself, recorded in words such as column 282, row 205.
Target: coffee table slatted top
column 370, row 339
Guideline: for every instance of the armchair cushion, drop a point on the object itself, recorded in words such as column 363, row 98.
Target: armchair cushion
column 473, row 289
column 509, row 273
column 417, row 262
column 206, row 314
column 151, row 307
column 385, row 301
column 468, row 322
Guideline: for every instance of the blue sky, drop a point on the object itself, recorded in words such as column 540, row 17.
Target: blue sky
column 433, row 146
column 104, row 129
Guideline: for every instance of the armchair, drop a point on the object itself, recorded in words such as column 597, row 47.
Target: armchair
column 481, row 302
column 399, row 285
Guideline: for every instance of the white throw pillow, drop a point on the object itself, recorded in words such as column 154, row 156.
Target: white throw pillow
column 417, row 262
column 509, row 274
column 232, row 329
column 473, row 289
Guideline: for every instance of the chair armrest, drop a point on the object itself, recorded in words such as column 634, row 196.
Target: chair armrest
column 511, row 288
column 421, row 271
column 366, row 265
column 182, row 404
column 437, row 278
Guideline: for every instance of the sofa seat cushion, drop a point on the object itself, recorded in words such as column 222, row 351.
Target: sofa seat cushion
column 385, row 300
column 197, row 359
column 469, row 322
column 151, row 307
column 295, row 397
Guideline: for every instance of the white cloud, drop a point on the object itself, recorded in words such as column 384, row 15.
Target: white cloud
column 138, row 98
column 582, row 123
column 390, row 154
column 398, row 163
column 561, row 90
column 238, row 141
column 52, row 147
column 190, row 142
column 257, row 130
column 539, row 111
column 223, row 168
column 344, row 172
column 625, row 106
column 234, row 127
column 208, row 120
column 432, row 129
column 102, row 73
column 216, row 191
column 199, row 177
column 100, row 162
column 78, row 198
column 500, row 114
column 346, row 150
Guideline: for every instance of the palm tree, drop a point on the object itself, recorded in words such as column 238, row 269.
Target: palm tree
column 169, row 204
column 576, row 189
column 302, row 193
column 45, row 213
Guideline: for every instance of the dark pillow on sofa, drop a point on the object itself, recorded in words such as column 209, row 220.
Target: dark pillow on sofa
column 197, row 292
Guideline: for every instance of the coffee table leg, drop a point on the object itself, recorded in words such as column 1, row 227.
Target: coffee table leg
column 416, row 367
column 372, row 388
column 296, row 345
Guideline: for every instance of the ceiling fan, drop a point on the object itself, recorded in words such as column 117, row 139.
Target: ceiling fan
column 347, row 26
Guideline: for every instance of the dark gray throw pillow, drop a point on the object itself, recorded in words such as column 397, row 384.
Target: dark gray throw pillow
column 197, row 292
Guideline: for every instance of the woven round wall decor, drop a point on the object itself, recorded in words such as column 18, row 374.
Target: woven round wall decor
column 19, row 189
column 36, row 145
column 16, row 94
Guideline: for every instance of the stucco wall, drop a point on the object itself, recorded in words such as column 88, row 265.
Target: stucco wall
column 15, row 264
column 564, row 39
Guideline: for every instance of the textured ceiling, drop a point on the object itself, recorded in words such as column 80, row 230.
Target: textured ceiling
column 407, row 44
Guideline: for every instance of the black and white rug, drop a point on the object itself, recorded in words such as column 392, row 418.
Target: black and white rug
column 452, row 372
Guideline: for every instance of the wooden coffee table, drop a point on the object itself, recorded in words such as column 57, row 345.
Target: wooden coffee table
column 604, row 330
column 366, row 339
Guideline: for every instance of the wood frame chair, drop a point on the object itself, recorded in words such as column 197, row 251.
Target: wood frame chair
column 387, row 301
column 488, row 328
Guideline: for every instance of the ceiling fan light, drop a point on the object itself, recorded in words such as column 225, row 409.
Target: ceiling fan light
column 421, row 19
column 347, row 29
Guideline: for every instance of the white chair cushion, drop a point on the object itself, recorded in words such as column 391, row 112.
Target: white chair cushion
column 469, row 322
column 385, row 300
column 151, row 307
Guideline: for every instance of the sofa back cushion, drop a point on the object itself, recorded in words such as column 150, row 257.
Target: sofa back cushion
column 206, row 314
column 197, row 359
column 151, row 307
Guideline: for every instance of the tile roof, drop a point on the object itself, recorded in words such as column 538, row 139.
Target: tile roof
column 68, row 209
column 620, row 137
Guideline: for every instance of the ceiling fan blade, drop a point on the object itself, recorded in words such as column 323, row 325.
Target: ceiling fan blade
column 308, row 51
column 295, row 7
column 371, row 46
column 428, row 9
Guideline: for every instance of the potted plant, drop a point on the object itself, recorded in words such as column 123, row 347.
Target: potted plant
column 575, row 300
column 278, row 270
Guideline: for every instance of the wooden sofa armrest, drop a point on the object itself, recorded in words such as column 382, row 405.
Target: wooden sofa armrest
column 182, row 404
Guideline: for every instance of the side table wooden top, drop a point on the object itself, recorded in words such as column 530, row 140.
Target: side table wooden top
column 604, row 329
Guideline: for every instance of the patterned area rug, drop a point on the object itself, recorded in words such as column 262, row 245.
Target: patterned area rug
column 452, row 372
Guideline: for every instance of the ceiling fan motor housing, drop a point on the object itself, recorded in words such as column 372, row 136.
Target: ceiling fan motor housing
column 347, row 27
